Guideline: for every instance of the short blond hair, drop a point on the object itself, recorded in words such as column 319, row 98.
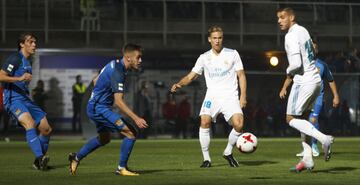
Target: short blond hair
column 213, row 29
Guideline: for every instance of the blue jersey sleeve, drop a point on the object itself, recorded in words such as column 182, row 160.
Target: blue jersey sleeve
column 327, row 73
column 11, row 64
column 117, row 81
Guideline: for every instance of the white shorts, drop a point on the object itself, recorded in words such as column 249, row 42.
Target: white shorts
column 213, row 105
column 302, row 98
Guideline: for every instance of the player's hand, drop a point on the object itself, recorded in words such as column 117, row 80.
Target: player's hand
column 336, row 101
column 141, row 123
column 26, row 77
column 243, row 102
column 282, row 93
column 175, row 87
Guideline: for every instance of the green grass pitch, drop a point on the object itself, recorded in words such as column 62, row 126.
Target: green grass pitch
column 173, row 162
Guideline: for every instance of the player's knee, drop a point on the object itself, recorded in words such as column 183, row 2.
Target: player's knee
column 104, row 141
column 289, row 118
column 45, row 131
column 28, row 124
column 238, row 127
column 205, row 124
column 129, row 134
column 104, row 138
column 313, row 120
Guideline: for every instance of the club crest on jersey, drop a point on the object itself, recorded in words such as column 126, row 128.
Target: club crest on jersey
column 10, row 67
column 120, row 86
column 119, row 123
column 17, row 112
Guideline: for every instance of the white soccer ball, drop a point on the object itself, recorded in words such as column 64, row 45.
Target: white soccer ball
column 246, row 143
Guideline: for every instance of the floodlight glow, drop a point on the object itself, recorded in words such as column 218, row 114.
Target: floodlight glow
column 274, row 61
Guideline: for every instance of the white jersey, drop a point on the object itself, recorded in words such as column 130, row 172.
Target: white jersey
column 298, row 41
column 220, row 71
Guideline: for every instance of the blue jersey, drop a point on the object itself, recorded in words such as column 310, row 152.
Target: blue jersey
column 325, row 74
column 111, row 80
column 15, row 66
column 16, row 94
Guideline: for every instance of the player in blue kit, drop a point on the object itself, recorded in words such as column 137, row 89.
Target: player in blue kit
column 109, row 89
column 16, row 74
column 326, row 76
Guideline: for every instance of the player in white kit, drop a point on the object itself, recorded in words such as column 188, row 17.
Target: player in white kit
column 222, row 67
column 306, row 86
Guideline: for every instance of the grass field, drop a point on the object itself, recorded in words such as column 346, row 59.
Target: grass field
column 173, row 162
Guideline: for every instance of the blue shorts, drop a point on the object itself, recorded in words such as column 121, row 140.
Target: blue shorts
column 105, row 119
column 17, row 107
column 317, row 107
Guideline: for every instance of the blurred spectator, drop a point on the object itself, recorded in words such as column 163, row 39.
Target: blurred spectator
column 340, row 62
column 143, row 106
column 78, row 90
column 354, row 60
column 260, row 118
column 4, row 117
column 169, row 110
column 38, row 94
column 183, row 118
column 344, row 115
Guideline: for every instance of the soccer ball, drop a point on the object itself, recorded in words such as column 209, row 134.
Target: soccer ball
column 246, row 143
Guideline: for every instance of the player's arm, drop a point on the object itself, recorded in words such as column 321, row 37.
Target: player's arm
column 95, row 79
column 295, row 66
column 4, row 77
column 119, row 102
column 184, row 81
column 294, row 55
column 243, row 86
column 336, row 97
column 287, row 83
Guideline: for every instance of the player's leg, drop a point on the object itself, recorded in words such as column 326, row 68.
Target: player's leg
column 130, row 131
column 204, row 138
column 44, row 131
column 44, row 134
column 313, row 118
column 237, row 121
column 306, row 163
column 32, row 139
column 94, row 143
column 301, row 98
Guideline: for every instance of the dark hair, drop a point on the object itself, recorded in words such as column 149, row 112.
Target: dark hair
column 22, row 37
column 287, row 10
column 214, row 28
column 131, row 47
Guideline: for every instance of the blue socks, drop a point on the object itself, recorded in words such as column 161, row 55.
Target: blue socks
column 34, row 142
column 316, row 125
column 125, row 151
column 44, row 140
column 90, row 146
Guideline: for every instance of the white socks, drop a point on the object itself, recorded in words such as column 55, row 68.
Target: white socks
column 204, row 138
column 233, row 136
column 308, row 129
column 307, row 158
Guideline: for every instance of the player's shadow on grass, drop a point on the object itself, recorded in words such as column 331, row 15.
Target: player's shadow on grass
column 248, row 163
column 335, row 170
column 256, row 163
column 155, row 171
